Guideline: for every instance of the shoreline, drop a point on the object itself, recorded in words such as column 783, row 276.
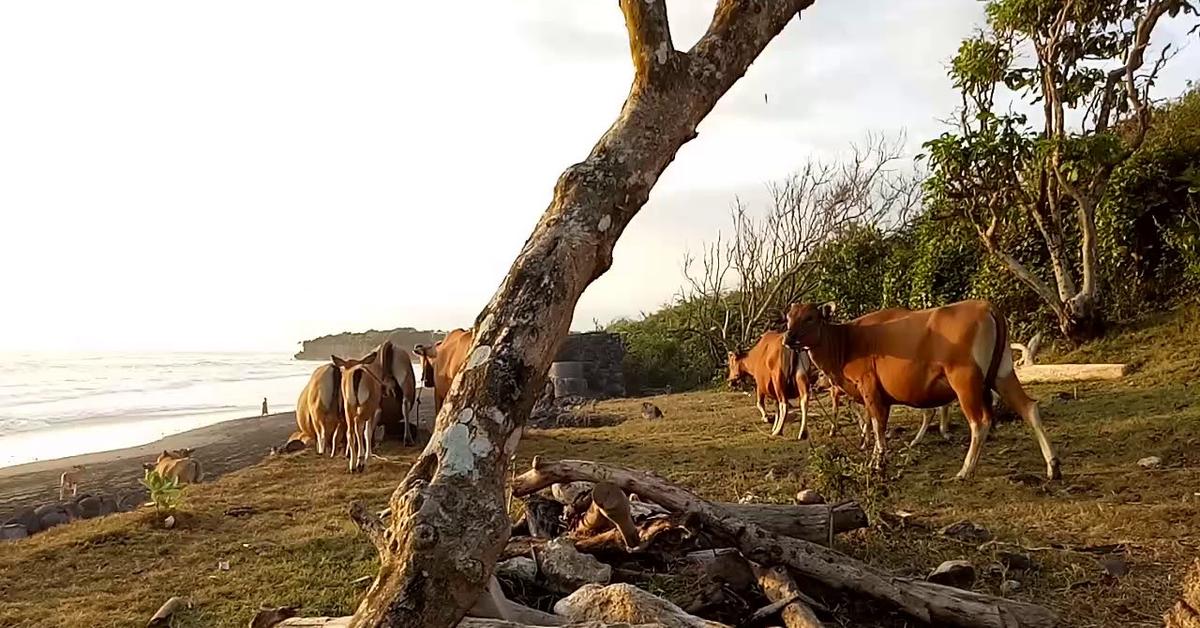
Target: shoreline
column 220, row 447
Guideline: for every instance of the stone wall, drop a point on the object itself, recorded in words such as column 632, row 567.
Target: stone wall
column 602, row 355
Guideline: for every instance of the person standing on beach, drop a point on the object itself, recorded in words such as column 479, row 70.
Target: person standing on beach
column 264, row 406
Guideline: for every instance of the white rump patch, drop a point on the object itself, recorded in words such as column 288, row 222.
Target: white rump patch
column 364, row 391
column 984, row 345
column 478, row 356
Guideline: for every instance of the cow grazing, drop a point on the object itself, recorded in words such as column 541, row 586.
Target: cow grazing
column 922, row 359
column 319, row 411
column 185, row 470
column 780, row 374
column 394, row 369
column 70, row 480
column 362, row 396
column 442, row 362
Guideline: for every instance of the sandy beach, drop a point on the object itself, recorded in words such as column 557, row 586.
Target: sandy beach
column 222, row 447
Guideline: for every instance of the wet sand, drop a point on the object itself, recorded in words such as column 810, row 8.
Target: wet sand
column 221, row 448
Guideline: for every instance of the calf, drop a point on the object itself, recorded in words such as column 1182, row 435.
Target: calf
column 779, row 373
column 185, row 470
column 70, row 480
column 923, row 359
column 362, row 394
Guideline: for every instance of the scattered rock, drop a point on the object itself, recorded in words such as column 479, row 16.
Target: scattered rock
column 88, row 506
column 1150, row 462
column 954, row 573
column 994, row 570
column 769, row 476
column 520, row 568
column 565, row 569
column 1115, row 566
column 222, row 565
column 809, row 496
column 169, row 522
column 50, row 515
column 131, row 500
column 1017, row 561
column 26, row 518
column 1008, row 587
column 268, row 617
column 966, row 531
column 13, row 531
column 626, row 603
column 240, row 511
column 651, row 411
column 1027, row 479
column 748, row 498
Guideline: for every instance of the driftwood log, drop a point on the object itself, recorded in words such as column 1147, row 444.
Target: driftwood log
column 450, row 523
column 925, row 601
column 1060, row 373
column 162, row 617
column 467, row 622
column 779, row 587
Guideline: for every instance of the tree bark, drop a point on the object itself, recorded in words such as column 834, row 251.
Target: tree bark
column 449, row 522
column 931, row 603
column 1058, row 373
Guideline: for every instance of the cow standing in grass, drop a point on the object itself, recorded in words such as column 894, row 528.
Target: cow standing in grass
column 319, row 410
column 441, row 362
column 362, row 396
column 922, row 359
column 779, row 373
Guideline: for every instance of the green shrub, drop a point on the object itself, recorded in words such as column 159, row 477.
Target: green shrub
column 165, row 492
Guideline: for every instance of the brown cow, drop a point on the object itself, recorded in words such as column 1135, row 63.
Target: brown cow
column 362, row 395
column 923, row 359
column 442, row 362
column 319, row 410
column 185, row 469
column 394, row 369
column 779, row 373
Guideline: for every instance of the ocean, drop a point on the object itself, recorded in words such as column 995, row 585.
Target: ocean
column 58, row 405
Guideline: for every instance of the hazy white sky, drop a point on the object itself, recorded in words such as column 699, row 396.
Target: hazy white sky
column 216, row 175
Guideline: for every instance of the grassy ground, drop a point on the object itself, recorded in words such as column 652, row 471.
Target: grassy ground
column 300, row 548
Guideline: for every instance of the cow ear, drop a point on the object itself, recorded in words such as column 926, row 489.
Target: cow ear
column 828, row 308
column 338, row 362
column 370, row 357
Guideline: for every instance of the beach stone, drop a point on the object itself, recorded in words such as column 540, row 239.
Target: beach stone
column 26, row 518
column 809, row 496
column 50, row 515
column 1008, row 587
column 108, row 505
column 954, row 573
column 966, row 531
column 130, row 500
column 1015, row 560
column 13, row 531
column 1115, row 566
column 88, row 506
column 1150, row 462
column 566, row 569
column 520, row 568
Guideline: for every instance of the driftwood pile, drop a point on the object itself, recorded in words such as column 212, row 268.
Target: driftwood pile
column 591, row 532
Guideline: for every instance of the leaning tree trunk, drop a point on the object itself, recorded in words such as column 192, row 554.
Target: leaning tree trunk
column 449, row 522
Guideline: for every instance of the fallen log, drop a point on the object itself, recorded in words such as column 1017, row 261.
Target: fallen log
column 779, row 587
column 927, row 602
column 1059, row 373
column 467, row 622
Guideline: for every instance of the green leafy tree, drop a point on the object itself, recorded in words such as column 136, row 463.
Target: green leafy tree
column 165, row 491
column 1076, row 59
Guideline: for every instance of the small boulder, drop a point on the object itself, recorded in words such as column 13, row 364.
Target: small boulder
column 1008, row 587
column 13, row 531
column 954, row 573
column 566, row 569
column 518, row 569
column 626, row 603
column 967, row 532
column 169, row 522
column 88, row 506
column 108, row 505
column 1150, row 462
column 50, row 515
column 1115, row 566
column 26, row 518
column 651, row 412
column 1017, row 561
column 809, row 496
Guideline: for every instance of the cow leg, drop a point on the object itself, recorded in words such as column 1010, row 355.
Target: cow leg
column 336, row 434
column 320, row 429
column 781, row 413
column 864, row 428
column 879, row 411
column 833, row 422
column 762, row 408
column 926, row 418
column 1014, row 395
column 969, row 388
column 944, row 425
column 352, row 435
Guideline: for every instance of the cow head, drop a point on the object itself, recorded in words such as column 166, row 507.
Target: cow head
column 347, row 363
column 805, row 322
column 735, row 366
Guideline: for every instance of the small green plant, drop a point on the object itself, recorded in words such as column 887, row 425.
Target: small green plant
column 165, row 492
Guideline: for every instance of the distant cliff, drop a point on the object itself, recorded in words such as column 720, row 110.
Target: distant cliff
column 356, row 344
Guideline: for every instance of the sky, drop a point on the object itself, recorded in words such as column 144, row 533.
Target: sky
column 244, row 175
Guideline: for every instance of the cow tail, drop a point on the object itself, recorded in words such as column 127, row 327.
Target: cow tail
column 791, row 359
column 337, row 392
column 989, row 378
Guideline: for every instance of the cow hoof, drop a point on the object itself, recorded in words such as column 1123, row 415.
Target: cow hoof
column 1053, row 471
column 803, row 435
